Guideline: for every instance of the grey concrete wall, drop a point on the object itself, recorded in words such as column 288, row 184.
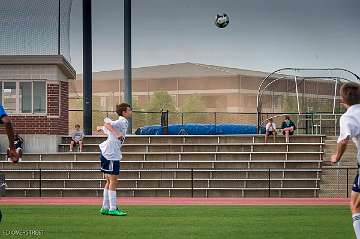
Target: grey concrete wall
column 34, row 143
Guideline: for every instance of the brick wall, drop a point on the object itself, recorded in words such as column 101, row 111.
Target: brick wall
column 56, row 120
column 64, row 108
column 53, row 99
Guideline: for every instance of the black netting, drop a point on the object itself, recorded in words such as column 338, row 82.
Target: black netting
column 32, row 27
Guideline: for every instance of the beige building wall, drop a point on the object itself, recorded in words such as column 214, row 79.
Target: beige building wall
column 223, row 91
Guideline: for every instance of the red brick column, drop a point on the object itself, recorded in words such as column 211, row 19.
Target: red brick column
column 53, row 99
column 64, row 108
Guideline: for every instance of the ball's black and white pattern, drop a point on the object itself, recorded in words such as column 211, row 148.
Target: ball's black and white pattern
column 222, row 20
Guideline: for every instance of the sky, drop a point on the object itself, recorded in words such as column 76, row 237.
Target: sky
column 262, row 35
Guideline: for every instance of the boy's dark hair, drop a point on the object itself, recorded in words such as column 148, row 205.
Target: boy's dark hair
column 121, row 108
column 287, row 117
column 350, row 93
column 77, row 126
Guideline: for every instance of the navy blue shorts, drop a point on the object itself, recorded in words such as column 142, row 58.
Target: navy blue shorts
column 109, row 166
column 355, row 186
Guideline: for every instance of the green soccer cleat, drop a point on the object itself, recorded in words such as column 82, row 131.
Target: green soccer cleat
column 116, row 212
column 104, row 211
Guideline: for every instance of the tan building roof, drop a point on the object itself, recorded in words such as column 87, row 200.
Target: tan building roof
column 180, row 70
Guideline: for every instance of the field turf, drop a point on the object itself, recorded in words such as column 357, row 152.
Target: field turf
column 176, row 222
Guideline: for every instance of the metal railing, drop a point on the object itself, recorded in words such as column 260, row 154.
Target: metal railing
column 333, row 182
column 307, row 123
column 270, row 181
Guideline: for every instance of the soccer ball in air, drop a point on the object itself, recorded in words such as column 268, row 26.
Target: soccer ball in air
column 221, row 20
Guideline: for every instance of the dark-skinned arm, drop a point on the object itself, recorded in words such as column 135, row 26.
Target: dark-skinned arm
column 9, row 131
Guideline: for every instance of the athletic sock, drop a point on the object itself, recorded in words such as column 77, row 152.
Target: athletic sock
column 106, row 203
column 356, row 224
column 112, row 199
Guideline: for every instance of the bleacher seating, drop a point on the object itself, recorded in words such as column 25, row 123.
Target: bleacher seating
column 185, row 166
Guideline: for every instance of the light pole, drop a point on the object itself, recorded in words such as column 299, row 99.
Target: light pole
column 127, row 57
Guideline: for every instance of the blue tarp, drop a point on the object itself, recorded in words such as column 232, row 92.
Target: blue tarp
column 199, row 129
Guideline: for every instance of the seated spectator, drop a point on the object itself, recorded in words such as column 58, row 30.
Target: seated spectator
column 77, row 138
column 288, row 127
column 270, row 130
column 18, row 143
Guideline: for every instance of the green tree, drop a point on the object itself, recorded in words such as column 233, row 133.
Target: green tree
column 192, row 108
column 137, row 117
column 98, row 113
column 160, row 100
column 75, row 112
column 289, row 104
column 135, row 105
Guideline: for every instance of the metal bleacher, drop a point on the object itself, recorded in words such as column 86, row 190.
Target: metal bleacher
column 177, row 166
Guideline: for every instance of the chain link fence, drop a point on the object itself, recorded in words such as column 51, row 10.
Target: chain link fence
column 336, row 182
column 307, row 123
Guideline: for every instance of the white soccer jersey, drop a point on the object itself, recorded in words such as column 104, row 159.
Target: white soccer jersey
column 350, row 127
column 111, row 147
column 270, row 126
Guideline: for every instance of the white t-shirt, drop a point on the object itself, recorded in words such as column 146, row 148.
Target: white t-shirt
column 111, row 147
column 270, row 126
column 350, row 127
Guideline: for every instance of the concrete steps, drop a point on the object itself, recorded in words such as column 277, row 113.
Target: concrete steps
column 199, row 166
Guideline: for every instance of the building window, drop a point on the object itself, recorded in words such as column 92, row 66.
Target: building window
column 39, row 96
column 23, row 97
column 9, row 96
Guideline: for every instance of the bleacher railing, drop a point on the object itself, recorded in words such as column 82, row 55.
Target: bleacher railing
column 335, row 182
column 307, row 123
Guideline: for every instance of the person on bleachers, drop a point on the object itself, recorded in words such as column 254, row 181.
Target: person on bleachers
column 288, row 127
column 77, row 138
column 18, row 142
column 270, row 130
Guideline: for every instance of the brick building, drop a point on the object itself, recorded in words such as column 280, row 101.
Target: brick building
column 34, row 92
column 222, row 89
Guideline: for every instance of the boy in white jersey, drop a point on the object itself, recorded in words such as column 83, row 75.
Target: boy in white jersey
column 110, row 157
column 270, row 130
column 350, row 129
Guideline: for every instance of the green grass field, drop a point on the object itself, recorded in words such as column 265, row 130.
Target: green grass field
column 175, row 222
